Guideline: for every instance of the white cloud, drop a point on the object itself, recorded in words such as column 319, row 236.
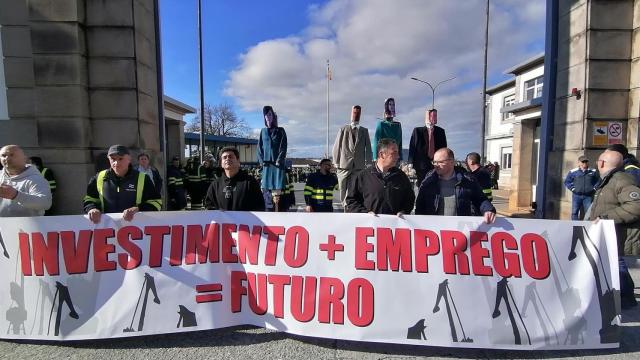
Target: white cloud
column 375, row 47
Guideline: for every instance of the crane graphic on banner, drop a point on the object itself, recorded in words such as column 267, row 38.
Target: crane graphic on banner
column 503, row 293
column 148, row 284
column 608, row 333
column 63, row 297
column 444, row 292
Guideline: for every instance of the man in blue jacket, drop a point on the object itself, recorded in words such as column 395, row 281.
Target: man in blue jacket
column 581, row 181
column 446, row 191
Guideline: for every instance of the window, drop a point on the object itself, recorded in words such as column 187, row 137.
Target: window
column 505, row 156
column 533, row 88
column 4, row 114
column 508, row 101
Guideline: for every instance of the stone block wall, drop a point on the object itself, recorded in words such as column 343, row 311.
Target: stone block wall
column 598, row 53
column 81, row 77
column 633, row 134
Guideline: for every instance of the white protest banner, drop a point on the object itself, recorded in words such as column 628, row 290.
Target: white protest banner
column 425, row 280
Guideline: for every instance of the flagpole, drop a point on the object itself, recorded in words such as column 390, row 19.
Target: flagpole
column 202, row 143
column 326, row 153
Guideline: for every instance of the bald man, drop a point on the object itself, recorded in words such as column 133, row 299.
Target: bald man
column 618, row 198
column 23, row 190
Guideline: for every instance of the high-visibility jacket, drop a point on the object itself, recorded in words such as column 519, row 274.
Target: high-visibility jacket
column 113, row 194
column 483, row 178
column 48, row 175
column 193, row 177
column 632, row 169
column 318, row 191
column 176, row 196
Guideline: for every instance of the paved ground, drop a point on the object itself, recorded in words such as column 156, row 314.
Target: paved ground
column 257, row 343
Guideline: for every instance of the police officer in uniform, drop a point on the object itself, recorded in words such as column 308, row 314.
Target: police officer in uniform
column 120, row 188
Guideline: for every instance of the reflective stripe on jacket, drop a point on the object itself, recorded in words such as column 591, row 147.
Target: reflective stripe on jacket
column 112, row 194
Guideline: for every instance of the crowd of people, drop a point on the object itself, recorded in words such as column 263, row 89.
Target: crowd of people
column 367, row 174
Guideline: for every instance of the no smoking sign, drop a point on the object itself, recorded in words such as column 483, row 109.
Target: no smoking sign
column 614, row 133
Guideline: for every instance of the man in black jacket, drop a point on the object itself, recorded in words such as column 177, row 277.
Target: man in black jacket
column 318, row 190
column 176, row 195
column 479, row 174
column 381, row 188
column 235, row 189
column 120, row 189
column 448, row 192
column 425, row 141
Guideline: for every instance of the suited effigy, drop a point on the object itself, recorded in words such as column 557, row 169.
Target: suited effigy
column 351, row 151
column 425, row 141
column 388, row 128
column 272, row 151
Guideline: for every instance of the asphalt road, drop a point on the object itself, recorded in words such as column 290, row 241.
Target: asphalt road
column 257, row 343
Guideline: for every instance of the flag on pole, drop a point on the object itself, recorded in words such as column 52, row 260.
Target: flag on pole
column 329, row 75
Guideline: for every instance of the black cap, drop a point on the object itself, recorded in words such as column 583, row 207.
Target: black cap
column 118, row 150
column 583, row 158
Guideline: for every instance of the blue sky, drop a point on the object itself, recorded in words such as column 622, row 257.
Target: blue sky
column 228, row 28
column 274, row 52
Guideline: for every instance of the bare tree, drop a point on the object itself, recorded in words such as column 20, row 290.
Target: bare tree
column 220, row 119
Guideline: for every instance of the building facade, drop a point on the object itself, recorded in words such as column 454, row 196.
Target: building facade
column 247, row 148
column 174, row 112
column 513, row 130
column 77, row 76
column 596, row 80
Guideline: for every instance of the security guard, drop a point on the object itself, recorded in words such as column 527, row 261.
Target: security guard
column 120, row 189
column 48, row 175
column 318, row 191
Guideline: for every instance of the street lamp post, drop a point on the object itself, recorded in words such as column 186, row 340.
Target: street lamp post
column 433, row 89
column 484, row 87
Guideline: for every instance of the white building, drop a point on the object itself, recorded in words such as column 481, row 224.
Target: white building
column 512, row 139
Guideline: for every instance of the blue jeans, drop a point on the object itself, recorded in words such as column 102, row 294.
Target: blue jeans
column 579, row 206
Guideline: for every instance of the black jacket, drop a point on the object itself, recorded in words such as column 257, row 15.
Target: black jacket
column 176, row 195
column 467, row 192
column 239, row 193
column 419, row 145
column 370, row 191
column 119, row 193
column 483, row 178
column 318, row 191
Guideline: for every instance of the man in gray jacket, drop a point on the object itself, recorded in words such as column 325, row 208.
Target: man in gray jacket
column 618, row 198
column 351, row 151
column 23, row 190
